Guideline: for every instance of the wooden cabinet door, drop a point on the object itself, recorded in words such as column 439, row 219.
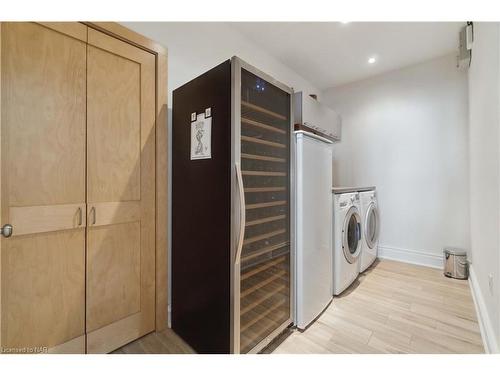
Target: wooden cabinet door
column 42, row 265
column 120, row 192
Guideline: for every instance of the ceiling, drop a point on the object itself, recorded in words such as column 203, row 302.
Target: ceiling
column 330, row 54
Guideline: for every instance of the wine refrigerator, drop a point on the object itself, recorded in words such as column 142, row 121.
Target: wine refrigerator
column 232, row 230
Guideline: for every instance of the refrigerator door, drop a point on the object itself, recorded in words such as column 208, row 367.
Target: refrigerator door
column 314, row 226
column 263, row 259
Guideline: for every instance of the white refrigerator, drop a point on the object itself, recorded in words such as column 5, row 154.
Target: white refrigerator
column 313, row 226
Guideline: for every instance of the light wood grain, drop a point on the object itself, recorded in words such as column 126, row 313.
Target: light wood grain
column 262, row 142
column 43, row 73
column 161, row 193
column 121, row 181
column 263, row 236
column 263, row 173
column 122, row 33
column 114, row 133
column 107, row 213
column 366, row 320
column 113, row 274
column 261, row 125
column 115, row 335
column 74, row 29
column 265, row 220
column 262, row 157
column 160, row 52
column 263, row 251
column 164, row 342
column 55, row 102
column 264, row 266
column 73, row 346
column 44, row 113
column 394, row 308
column 253, row 107
column 39, row 219
column 265, row 204
column 43, row 304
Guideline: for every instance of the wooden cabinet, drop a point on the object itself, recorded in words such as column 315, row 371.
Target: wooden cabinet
column 120, row 192
column 80, row 113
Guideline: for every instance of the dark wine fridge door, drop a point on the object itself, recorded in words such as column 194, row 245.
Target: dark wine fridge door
column 265, row 277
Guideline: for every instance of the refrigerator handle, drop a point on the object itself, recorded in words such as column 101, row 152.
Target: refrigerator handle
column 242, row 213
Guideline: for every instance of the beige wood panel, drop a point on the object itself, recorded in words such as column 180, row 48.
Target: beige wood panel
column 106, row 213
column 44, row 289
column 39, row 219
column 43, row 94
column 121, row 174
column 44, row 112
column 113, row 274
column 114, row 110
column 74, row 346
column 161, row 195
column 120, row 32
column 116, row 334
column 74, row 29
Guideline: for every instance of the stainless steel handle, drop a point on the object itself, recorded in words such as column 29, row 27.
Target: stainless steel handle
column 79, row 216
column 92, row 211
column 6, row 230
column 239, row 179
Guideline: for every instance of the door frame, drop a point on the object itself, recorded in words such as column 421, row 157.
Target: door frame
column 161, row 144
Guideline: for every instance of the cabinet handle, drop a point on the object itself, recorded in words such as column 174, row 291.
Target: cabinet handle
column 79, row 216
column 92, row 211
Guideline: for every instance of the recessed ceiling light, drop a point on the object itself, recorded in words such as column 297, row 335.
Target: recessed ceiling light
column 344, row 22
column 372, row 60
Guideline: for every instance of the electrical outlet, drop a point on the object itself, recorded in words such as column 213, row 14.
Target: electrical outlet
column 490, row 283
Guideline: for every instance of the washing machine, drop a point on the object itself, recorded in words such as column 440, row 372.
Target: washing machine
column 346, row 239
column 370, row 225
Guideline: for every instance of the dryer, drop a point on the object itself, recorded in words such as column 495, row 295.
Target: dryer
column 371, row 228
column 346, row 239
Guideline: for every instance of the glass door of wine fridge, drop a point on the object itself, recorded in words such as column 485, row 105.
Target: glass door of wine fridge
column 263, row 161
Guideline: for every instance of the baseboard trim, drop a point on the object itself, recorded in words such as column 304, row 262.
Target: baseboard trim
column 487, row 333
column 421, row 258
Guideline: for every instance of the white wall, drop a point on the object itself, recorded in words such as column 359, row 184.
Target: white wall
column 406, row 133
column 484, row 101
column 195, row 47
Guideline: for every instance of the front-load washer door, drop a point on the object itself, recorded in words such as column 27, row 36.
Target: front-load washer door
column 351, row 235
column 372, row 225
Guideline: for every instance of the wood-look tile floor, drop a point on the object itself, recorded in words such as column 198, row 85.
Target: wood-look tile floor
column 393, row 307
column 165, row 342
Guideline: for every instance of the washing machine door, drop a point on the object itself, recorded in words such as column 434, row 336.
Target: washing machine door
column 371, row 225
column 351, row 235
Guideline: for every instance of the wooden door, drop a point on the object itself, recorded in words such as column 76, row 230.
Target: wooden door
column 43, row 118
column 120, row 192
